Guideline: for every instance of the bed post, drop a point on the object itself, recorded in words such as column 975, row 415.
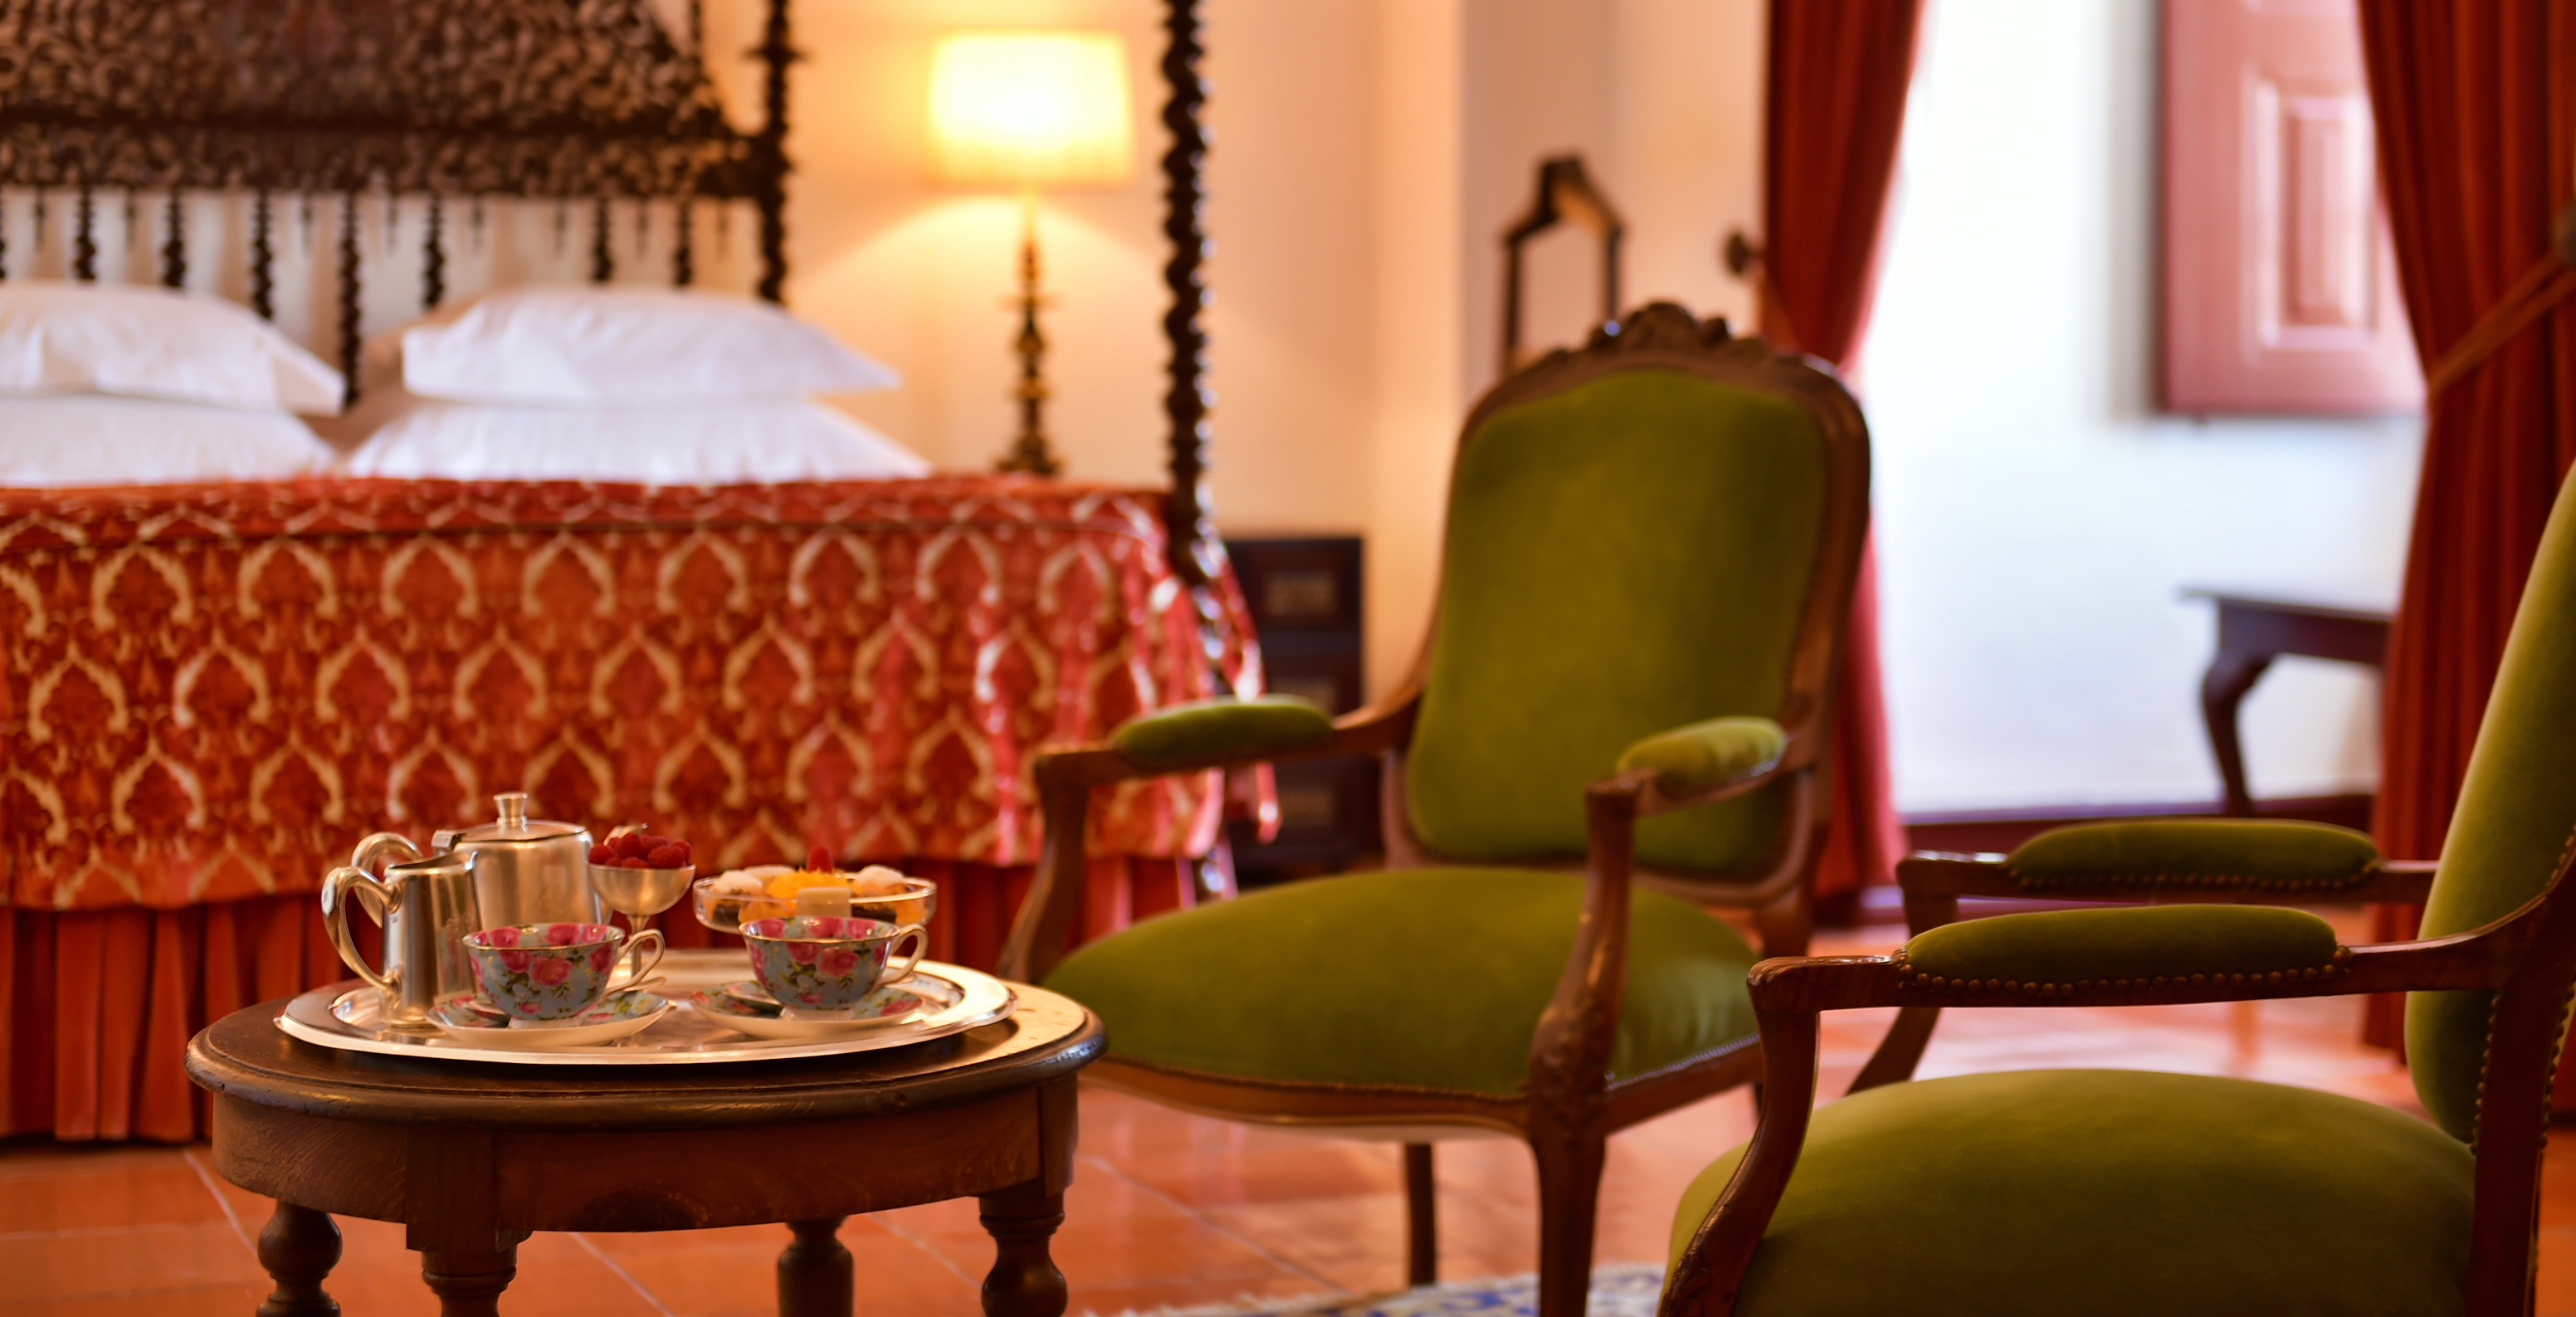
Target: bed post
column 769, row 156
column 1189, row 525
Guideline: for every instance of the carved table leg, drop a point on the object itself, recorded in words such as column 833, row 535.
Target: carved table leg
column 814, row 1272
column 469, row 1284
column 299, row 1246
column 2222, row 689
column 1024, row 1281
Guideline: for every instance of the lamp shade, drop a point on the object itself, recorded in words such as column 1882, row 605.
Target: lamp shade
column 1030, row 107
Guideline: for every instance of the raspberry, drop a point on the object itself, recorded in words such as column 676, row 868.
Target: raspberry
column 633, row 846
column 603, row 853
column 683, row 848
column 630, row 862
column 666, row 856
column 819, row 859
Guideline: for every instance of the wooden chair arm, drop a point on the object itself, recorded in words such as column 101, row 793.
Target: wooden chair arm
column 1360, row 732
column 1934, row 881
column 1569, row 1073
column 1833, row 983
column 1065, row 776
column 2527, row 957
column 1799, row 756
column 1946, row 874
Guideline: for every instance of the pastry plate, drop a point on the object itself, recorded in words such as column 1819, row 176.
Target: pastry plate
column 343, row 1016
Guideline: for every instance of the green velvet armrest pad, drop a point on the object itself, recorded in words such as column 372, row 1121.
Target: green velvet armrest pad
column 1710, row 754
column 2129, row 944
column 1223, row 728
column 2255, row 853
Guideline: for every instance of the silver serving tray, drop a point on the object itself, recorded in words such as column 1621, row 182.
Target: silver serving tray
column 343, row 1016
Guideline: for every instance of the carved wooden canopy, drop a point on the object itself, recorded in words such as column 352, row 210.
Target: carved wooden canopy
column 528, row 98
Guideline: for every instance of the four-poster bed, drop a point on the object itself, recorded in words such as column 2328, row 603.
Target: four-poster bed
column 208, row 692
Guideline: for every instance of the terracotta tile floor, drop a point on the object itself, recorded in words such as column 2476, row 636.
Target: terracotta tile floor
column 1168, row 1210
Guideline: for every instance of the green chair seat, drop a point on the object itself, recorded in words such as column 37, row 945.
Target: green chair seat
column 1426, row 978
column 2109, row 1192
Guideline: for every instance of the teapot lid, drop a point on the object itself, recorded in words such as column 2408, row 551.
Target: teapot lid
column 514, row 824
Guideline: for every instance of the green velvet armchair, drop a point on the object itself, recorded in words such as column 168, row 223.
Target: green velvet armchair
column 1650, row 552
column 2111, row 1192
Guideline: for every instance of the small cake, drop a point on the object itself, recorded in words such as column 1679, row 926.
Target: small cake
column 728, row 901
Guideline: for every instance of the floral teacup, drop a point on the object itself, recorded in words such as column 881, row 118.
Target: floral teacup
column 554, row 971
column 820, row 964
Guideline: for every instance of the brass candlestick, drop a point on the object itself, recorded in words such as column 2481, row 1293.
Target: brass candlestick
column 1030, row 454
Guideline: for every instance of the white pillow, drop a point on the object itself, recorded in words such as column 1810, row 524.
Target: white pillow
column 153, row 343
column 94, row 439
column 746, row 443
column 626, row 346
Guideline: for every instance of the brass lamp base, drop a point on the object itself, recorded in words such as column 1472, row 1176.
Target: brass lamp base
column 1030, row 453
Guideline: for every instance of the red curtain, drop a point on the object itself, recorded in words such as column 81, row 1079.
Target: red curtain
column 1839, row 74
column 97, row 1006
column 2473, row 100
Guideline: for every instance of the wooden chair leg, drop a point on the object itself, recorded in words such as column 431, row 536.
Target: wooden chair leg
column 1421, row 1218
column 299, row 1246
column 1569, row 1193
column 1788, row 923
column 1901, row 1050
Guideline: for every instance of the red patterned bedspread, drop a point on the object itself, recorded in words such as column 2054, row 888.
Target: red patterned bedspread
column 210, row 692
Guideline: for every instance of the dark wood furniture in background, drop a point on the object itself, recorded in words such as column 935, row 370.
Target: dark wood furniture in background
column 2253, row 630
column 473, row 1158
column 432, row 103
column 1305, row 599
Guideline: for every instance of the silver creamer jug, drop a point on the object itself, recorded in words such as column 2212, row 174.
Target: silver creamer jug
column 526, row 871
column 427, row 907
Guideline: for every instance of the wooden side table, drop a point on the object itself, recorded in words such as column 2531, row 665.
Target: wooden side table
column 473, row 1158
column 2253, row 630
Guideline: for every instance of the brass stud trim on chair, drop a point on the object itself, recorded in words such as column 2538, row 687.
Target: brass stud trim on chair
column 1913, row 979
column 2256, row 881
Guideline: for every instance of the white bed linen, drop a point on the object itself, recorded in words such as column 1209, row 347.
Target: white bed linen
column 620, row 347
column 95, row 439
column 64, row 338
column 743, row 443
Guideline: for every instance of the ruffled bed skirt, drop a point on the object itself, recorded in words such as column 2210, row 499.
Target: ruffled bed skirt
column 98, row 1006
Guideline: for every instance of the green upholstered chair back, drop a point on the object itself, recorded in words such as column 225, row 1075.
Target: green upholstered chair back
column 1657, row 530
column 2516, row 812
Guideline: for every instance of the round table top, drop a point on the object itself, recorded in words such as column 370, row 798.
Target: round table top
column 245, row 1056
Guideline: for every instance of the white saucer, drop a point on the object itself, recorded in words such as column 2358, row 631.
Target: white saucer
column 616, row 1016
column 920, row 995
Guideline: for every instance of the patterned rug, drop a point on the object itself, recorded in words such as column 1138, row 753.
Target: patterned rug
column 1621, row 1289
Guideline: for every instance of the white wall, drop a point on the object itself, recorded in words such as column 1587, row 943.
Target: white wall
column 1664, row 100
column 2037, row 521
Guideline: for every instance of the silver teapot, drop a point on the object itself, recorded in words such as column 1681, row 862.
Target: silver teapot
column 526, row 871
column 512, row 872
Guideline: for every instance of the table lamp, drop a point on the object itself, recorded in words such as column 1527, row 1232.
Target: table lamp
column 1030, row 109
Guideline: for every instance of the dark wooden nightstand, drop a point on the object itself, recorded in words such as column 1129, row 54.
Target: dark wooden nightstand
column 1305, row 598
